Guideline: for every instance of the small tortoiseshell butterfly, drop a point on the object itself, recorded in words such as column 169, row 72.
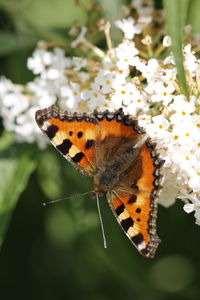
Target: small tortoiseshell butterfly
column 115, row 151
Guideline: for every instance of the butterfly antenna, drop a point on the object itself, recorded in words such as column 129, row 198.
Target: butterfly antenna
column 101, row 222
column 61, row 199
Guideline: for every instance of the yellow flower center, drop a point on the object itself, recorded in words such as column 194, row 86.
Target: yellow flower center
column 108, row 82
column 175, row 137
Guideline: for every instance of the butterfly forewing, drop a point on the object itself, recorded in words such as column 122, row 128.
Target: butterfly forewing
column 73, row 135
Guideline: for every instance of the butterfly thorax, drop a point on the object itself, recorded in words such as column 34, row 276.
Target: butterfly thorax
column 108, row 176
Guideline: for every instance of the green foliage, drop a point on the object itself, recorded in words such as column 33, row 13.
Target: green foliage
column 176, row 16
column 49, row 171
column 193, row 15
column 15, row 170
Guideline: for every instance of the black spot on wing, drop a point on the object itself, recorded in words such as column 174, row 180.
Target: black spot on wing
column 65, row 146
column 79, row 134
column 77, row 158
column 89, row 144
column 51, row 131
column 127, row 223
column 137, row 239
column 120, row 209
column 132, row 199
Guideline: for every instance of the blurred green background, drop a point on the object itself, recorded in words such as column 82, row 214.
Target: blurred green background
column 56, row 252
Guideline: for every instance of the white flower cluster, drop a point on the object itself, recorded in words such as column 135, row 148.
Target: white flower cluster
column 110, row 82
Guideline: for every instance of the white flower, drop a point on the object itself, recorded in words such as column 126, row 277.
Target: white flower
column 126, row 54
column 144, row 120
column 78, row 63
column 42, row 94
column 181, row 108
column 129, row 27
column 159, row 127
column 6, row 86
column 84, row 76
column 169, row 60
column 105, row 81
column 150, row 70
column 170, row 189
column 160, row 92
column 59, row 60
column 39, row 61
column 93, row 96
column 145, row 20
column 70, row 96
column 167, row 41
column 13, row 104
column 138, row 103
column 190, row 61
column 125, row 92
column 195, row 206
column 194, row 176
column 169, row 75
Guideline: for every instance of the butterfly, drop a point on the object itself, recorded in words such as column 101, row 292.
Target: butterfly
column 111, row 148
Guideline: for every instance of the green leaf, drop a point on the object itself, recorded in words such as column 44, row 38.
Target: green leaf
column 50, row 174
column 15, row 170
column 8, row 42
column 194, row 15
column 176, row 17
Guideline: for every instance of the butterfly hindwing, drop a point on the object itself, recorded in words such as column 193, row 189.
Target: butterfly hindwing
column 136, row 210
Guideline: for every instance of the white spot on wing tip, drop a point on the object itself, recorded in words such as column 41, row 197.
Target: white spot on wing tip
column 141, row 246
column 45, row 125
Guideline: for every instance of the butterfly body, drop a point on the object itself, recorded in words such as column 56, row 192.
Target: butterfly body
column 115, row 151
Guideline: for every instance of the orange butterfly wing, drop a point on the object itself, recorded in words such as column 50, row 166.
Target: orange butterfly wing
column 136, row 212
column 73, row 135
